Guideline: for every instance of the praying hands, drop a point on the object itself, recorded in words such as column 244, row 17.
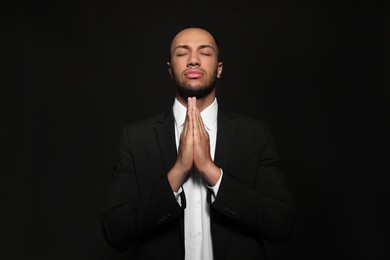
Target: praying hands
column 194, row 150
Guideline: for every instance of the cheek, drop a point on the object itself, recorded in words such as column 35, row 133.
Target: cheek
column 179, row 62
column 175, row 70
column 212, row 71
column 210, row 66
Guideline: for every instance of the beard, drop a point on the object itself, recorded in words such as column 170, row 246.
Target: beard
column 200, row 91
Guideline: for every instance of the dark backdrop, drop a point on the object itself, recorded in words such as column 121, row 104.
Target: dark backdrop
column 75, row 71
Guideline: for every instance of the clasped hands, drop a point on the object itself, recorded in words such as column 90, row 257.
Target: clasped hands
column 194, row 150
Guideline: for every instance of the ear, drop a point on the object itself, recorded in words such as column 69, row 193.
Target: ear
column 169, row 69
column 220, row 67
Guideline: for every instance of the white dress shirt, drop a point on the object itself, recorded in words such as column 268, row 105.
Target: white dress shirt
column 197, row 235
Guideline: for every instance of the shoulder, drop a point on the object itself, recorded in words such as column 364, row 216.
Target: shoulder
column 243, row 120
column 148, row 122
column 247, row 128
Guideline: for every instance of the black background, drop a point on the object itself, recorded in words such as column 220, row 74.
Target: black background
column 75, row 71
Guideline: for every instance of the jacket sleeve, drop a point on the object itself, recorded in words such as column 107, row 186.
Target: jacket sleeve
column 266, row 207
column 133, row 213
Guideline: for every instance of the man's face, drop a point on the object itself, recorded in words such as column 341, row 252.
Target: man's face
column 194, row 65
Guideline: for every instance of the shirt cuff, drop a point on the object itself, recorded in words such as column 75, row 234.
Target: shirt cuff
column 177, row 195
column 215, row 188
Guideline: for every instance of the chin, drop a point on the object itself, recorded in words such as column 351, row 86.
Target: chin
column 195, row 91
column 196, row 84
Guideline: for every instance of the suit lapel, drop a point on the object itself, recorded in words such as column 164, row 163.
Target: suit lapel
column 165, row 133
column 225, row 136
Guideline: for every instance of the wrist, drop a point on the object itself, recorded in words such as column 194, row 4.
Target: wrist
column 181, row 169
column 176, row 177
column 211, row 173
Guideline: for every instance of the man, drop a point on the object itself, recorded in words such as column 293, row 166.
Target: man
column 172, row 198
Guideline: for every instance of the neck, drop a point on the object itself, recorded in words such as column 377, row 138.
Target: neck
column 202, row 103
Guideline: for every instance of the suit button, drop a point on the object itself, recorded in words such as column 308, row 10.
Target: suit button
column 226, row 209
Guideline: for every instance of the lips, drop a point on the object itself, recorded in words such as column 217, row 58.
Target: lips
column 193, row 74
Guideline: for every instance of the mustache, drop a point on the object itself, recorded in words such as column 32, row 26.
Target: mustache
column 194, row 69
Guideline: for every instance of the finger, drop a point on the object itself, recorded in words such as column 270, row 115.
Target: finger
column 191, row 104
column 195, row 121
column 190, row 118
column 198, row 122
column 202, row 130
column 194, row 104
column 186, row 122
column 195, row 108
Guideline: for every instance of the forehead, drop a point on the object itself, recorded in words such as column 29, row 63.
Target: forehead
column 193, row 37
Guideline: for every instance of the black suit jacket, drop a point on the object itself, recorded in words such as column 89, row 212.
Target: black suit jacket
column 253, row 202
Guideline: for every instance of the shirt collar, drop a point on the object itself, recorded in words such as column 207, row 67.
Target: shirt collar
column 209, row 114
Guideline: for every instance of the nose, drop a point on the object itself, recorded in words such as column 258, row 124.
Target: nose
column 193, row 60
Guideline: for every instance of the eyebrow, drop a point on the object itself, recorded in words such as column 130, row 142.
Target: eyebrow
column 187, row 47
